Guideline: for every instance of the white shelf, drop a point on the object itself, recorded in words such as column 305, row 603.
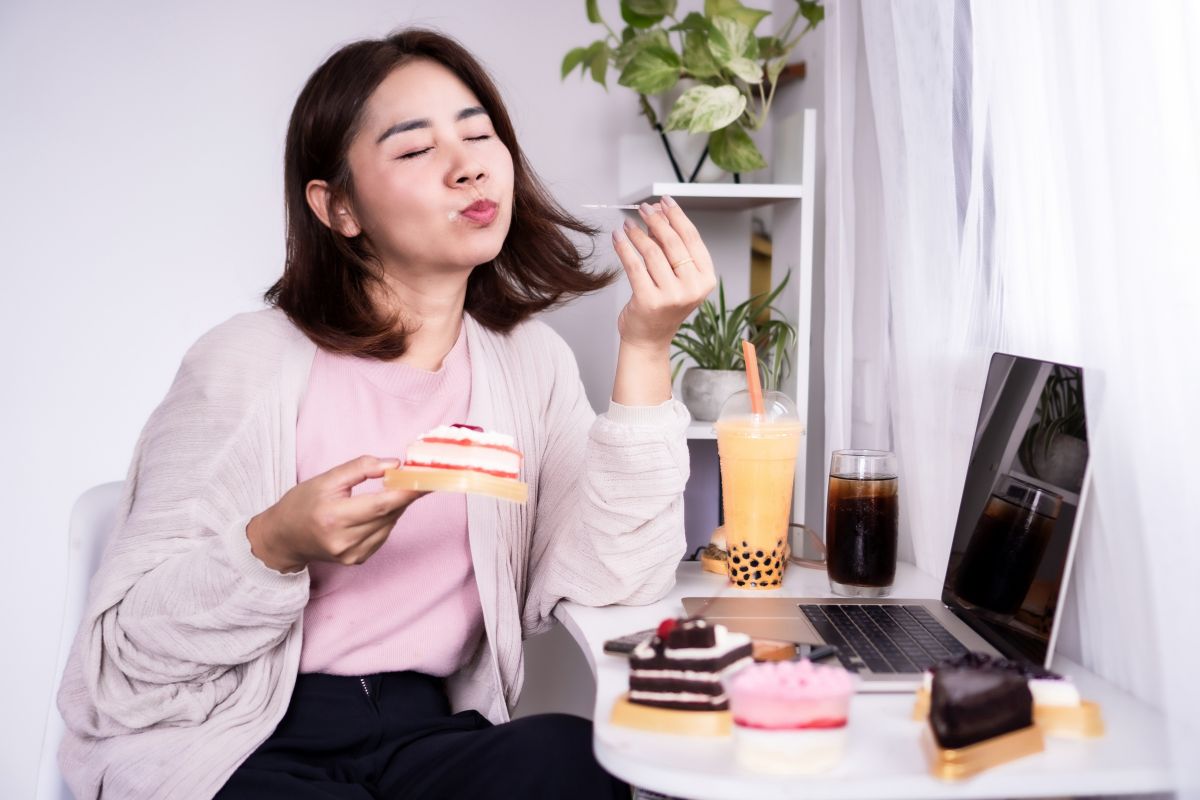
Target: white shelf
column 701, row 430
column 718, row 196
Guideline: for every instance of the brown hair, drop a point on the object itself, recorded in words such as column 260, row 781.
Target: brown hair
column 327, row 278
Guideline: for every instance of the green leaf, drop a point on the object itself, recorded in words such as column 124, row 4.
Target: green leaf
column 638, row 41
column 651, row 8
column 572, row 60
column 770, row 47
column 598, row 62
column 697, row 58
column 732, row 149
column 747, row 70
column 812, row 11
column 733, row 9
column 638, row 20
column 774, row 68
column 728, row 40
column 707, row 108
column 593, row 11
column 654, row 69
column 693, row 23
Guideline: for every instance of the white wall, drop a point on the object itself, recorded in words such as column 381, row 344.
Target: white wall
column 141, row 152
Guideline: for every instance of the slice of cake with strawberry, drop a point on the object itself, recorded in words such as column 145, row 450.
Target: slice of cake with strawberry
column 462, row 458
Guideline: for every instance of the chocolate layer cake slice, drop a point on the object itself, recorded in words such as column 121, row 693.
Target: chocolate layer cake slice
column 683, row 665
column 973, row 705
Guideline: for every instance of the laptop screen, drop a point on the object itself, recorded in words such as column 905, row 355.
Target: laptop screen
column 1019, row 505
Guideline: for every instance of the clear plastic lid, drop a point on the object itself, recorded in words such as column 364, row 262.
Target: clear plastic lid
column 778, row 410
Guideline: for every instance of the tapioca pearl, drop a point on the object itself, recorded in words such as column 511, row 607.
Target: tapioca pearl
column 754, row 562
column 758, row 553
column 741, row 583
column 737, row 559
column 757, row 575
column 779, row 543
column 770, row 572
column 745, row 543
column 744, row 568
column 766, row 562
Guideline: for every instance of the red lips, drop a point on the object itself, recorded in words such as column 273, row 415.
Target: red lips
column 480, row 212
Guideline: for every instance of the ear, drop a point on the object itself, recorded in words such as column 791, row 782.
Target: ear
column 319, row 198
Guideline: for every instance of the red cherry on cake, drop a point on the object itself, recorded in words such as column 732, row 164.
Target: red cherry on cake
column 665, row 627
column 475, row 428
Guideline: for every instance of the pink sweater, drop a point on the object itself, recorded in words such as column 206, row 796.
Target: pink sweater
column 414, row 605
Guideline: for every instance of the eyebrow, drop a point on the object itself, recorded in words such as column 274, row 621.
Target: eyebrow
column 415, row 124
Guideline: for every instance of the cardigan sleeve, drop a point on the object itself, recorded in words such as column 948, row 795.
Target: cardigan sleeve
column 609, row 521
column 180, row 607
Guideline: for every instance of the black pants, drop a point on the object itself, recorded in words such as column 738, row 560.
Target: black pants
column 401, row 741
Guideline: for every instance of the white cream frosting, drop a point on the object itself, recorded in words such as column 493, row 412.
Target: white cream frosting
column 455, row 455
column 692, row 675
column 475, row 437
column 677, row 697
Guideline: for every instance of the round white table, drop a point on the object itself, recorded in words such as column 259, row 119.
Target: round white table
column 883, row 758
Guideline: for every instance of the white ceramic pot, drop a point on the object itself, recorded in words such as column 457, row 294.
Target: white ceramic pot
column 706, row 390
column 1064, row 463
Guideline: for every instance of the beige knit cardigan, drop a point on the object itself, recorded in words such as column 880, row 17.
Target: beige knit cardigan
column 189, row 648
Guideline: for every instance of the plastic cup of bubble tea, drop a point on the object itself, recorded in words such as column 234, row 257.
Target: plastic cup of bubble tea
column 758, row 468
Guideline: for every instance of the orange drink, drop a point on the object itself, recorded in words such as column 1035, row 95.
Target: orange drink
column 758, row 467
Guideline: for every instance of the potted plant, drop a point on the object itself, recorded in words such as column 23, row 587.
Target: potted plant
column 730, row 71
column 1054, row 447
column 712, row 340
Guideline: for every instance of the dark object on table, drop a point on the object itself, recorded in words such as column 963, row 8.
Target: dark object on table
column 972, row 705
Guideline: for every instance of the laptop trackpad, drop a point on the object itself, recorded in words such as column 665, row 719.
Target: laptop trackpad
column 761, row 618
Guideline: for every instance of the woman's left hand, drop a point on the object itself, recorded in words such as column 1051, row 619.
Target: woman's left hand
column 670, row 271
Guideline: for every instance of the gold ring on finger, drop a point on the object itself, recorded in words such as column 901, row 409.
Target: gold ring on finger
column 677, row 264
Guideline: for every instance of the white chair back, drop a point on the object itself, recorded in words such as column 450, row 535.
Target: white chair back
column 88, row 532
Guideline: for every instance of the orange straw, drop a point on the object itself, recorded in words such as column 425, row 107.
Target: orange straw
column 751, row 357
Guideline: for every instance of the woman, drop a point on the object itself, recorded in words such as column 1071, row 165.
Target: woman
column 268, row 622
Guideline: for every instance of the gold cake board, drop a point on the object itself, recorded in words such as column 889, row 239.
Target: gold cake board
column 1083, row 721
column 963, row 762
column 464, row 481
column 670, row 720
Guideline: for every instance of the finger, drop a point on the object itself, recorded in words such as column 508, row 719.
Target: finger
column 347, row 476
column 631, row 260
column 659, row 226
column 366, row 508
column 688, row 233
column 656, row 263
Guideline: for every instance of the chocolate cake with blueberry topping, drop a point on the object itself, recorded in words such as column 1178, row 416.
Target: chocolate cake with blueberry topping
column 683, row 665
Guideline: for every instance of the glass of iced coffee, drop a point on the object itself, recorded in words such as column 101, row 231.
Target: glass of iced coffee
column 862, row 522
column 758, row 467
column 1006, row 548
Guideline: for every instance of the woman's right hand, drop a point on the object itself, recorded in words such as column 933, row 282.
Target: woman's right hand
column 319, row 519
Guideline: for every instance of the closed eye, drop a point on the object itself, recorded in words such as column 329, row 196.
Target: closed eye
column 415, row 153
column 479, row 138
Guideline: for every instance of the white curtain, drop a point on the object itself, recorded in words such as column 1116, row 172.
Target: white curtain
column 1025, row 177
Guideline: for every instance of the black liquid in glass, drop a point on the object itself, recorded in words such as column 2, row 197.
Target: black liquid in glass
column 1002, row 556
column 861, row 530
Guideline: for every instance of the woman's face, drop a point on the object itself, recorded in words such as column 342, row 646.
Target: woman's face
column 433, row 185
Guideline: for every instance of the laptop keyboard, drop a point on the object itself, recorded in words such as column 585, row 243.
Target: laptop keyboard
column 883, row 638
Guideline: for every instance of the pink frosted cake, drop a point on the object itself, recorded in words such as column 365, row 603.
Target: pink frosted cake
column 467, row 448
column 790, row 716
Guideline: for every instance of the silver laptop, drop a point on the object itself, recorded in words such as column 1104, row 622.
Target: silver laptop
column 1006, row 577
